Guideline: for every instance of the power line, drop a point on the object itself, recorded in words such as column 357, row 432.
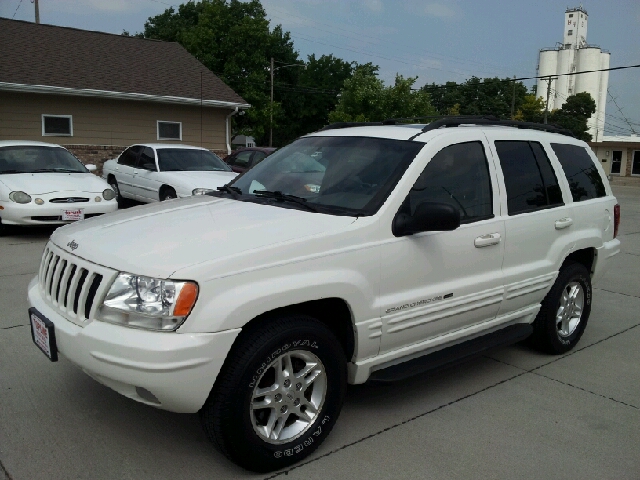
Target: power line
column 621, row 112
column 14, row 13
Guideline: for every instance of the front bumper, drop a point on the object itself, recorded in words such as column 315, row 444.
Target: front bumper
column 49, row 214
column 179, row 370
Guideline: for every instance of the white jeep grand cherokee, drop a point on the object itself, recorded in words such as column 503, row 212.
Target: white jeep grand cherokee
column 353, row 253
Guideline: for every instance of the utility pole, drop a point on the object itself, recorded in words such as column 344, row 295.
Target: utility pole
column 35, row 3
column 513, row 99
column 546, row 105
column 271, row 108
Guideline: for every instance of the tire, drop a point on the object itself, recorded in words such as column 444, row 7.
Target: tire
column 167, row 194
column 306, row 405
column 113, row 183
column 565, row 311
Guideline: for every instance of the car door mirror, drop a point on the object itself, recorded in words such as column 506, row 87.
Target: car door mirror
column 91, row 167
column 428, row 217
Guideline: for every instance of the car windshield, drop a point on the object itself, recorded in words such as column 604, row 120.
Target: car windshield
column 189, row 160
column 339, row 175
column 36, row 159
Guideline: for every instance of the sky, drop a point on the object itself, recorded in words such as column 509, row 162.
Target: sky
column 436, row 41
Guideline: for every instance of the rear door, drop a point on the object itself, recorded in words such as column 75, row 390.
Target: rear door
column 538, row 223
column 124, row 170
column 434, row 283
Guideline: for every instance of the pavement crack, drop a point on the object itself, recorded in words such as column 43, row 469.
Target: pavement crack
column 585, row 390
column 3, row 469
column 629, row 253
column 618, row 293
column 15, row 326
column 396, row 425
column 18, row 274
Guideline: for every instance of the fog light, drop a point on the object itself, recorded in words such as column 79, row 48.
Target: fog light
column 147, row 395
column 39, row 201
column 98, row 199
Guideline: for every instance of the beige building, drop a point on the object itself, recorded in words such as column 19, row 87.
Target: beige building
column 97, row 93
column 620, row 158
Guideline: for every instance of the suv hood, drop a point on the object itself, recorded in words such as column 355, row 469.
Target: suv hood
column 160, row 238
column 41, row 183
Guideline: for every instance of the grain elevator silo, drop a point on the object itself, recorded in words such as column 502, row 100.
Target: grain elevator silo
column 574, row 54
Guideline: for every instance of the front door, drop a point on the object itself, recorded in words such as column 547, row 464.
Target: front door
column 438, row 282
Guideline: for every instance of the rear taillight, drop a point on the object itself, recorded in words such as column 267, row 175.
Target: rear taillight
column 616, row 220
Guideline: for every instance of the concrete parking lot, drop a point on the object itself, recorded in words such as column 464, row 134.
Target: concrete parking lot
column 512, row 413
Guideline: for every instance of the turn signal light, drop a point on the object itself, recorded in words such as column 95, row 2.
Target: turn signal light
column 186, row 300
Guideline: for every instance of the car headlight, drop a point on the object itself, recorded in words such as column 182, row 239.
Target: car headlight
column 108, row 194
column 201, row 191
column 149, row 303
column 20, row 197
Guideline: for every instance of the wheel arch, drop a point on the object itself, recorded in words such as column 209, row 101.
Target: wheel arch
column 164, row 187
column 333, row 312
column 584, row 256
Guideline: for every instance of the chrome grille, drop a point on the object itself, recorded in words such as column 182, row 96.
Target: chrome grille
column 73, row 286
column 69, row 200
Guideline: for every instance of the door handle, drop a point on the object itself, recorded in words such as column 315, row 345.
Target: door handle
column 487, row 240
column 563, row 223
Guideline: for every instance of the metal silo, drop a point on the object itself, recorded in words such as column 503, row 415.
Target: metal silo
column 547, row 66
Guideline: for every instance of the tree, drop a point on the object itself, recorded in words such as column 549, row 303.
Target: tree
column 531, row 109
column 489, row 96
column 574, row 114
column 365, row 98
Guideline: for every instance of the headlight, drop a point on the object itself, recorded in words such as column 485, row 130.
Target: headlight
column 201, row 191
column 108, row 194
column 148, row 303
column 20, row 197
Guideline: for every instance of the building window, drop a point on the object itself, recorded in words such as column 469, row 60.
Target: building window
column 570, row 32
column 571, row 15
column 57, row 125
column 169, row 130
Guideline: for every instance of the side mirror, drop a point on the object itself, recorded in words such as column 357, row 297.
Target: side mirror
column 91, row 167
column 428, row 217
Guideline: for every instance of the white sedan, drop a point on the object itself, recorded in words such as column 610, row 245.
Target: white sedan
column 42, row 183
column 157, row 172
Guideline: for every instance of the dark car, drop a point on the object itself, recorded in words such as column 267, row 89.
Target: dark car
column 244, row 158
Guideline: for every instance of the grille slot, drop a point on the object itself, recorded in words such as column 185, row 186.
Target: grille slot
column 69, row 200
column 72, row 285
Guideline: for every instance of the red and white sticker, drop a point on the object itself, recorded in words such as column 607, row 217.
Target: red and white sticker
column 73, row 215
column 41, row 335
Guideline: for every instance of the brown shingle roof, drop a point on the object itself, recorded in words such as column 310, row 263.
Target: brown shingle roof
column 32, row 54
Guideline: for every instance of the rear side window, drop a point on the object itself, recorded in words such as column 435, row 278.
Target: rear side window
column 584, row 179
column 457, row 175
column 528, row 175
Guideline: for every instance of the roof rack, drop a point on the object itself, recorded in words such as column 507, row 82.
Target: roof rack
column 440, row 121
column 491, row 120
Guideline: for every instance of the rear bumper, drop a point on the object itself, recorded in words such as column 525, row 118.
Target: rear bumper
column 179, row 370
column 603, row 258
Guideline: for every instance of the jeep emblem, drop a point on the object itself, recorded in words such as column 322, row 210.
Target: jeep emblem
column 72, row 245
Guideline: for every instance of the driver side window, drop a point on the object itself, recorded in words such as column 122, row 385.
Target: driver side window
column 457, row 175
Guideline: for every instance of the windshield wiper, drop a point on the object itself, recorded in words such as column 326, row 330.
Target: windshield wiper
column 229, row 189
column 283, row 197
column 55, row 170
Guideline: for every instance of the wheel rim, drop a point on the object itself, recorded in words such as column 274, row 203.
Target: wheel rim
column 288, row 397
column 169, row 196
column 570, row 310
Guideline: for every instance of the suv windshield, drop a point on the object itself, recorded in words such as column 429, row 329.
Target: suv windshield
column 190, row 160
column 32, row 159
column 341, row 175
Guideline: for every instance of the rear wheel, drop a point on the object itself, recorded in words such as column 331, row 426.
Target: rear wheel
column 565, row 311
column 278, row 395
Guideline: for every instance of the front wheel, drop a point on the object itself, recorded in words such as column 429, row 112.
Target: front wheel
column 565, row 310
column 278, row 395
column 113, row 183
column 168, row 194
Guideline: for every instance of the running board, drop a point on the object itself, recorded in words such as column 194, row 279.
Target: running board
column 453, row 355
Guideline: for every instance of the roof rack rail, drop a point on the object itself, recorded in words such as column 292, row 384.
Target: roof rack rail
column 491, row 120
column 388, row 121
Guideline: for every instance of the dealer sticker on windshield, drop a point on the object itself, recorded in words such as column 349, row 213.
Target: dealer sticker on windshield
column 73, row 215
